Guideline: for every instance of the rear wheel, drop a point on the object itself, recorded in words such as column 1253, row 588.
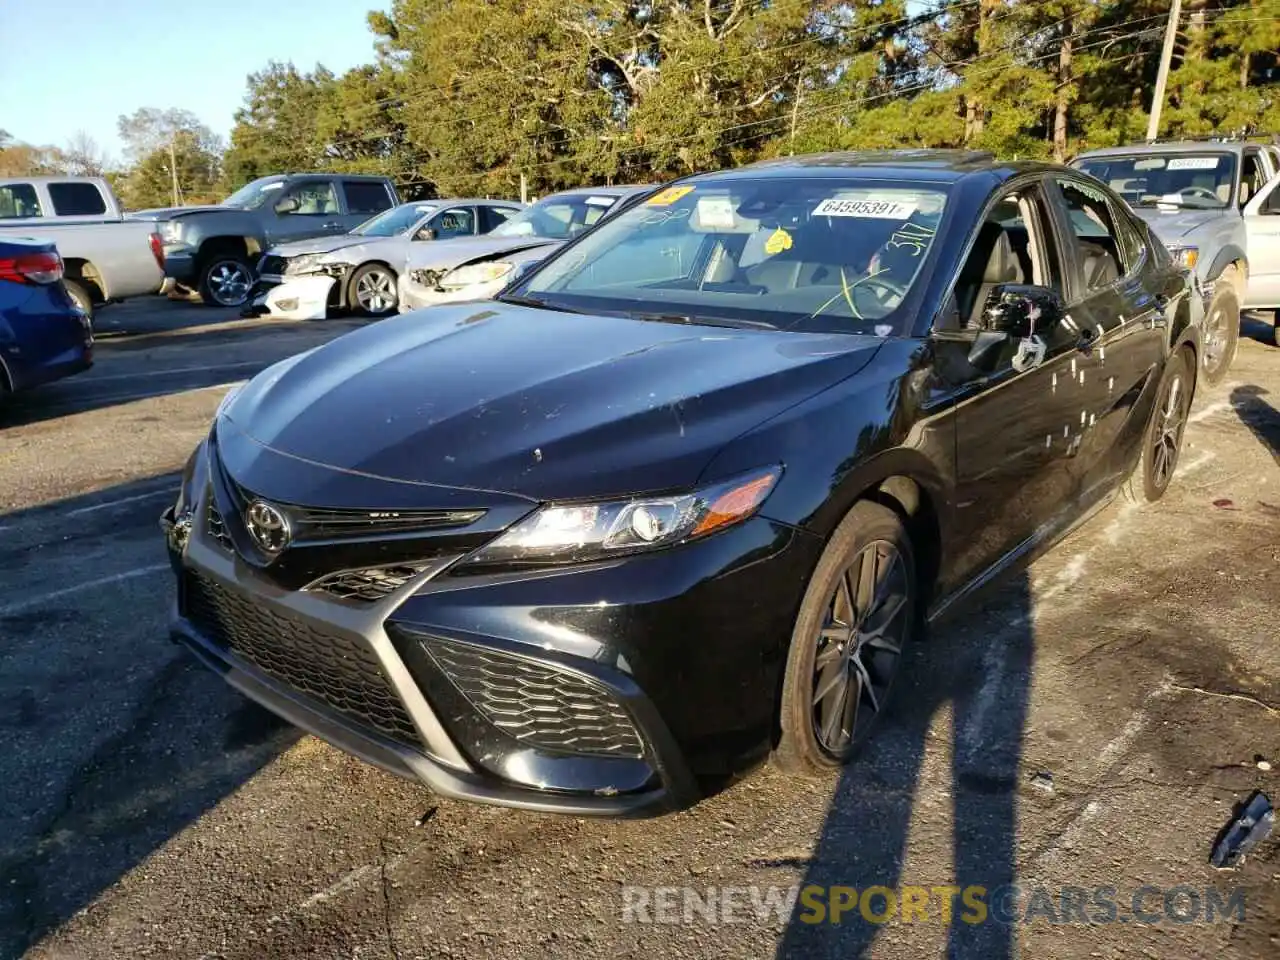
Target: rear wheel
column 1162, row 440
column 1221, row 330
column 226, row 280
column 857, row 616
column 80, row 294
column 373, row 290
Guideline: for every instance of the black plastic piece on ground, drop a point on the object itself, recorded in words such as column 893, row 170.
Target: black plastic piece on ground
column 1246, row 830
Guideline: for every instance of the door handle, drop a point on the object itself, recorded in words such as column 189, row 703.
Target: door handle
column 331, row 225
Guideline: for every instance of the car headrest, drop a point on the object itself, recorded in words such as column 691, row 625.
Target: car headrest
column 1002, row 265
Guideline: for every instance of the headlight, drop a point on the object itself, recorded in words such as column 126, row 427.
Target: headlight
column 475, row 273
column 307, row 263
column 425, row 278
column 170, row 230
column 1186, row 256
column 577, row 532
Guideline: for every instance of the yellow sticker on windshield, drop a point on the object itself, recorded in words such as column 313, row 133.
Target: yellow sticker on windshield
column 665, row 198
column 778, row 241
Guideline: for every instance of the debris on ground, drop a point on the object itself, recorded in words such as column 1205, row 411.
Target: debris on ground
column 1224, row 504
column 1246, row 830
column 431, row 812
column 1262, row 762
column 1043, row 781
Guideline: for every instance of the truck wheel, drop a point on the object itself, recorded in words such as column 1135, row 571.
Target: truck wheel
column 1221, row 330
column 81, row 296
column 373, row 290
column 226, row 280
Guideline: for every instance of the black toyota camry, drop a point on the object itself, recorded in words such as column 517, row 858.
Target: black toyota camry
column 676, row 500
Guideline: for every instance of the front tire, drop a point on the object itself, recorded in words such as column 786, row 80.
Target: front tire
column 372, row 291
column 1221, row 330
column 1162, row 440
column 226, row 280
column 858, row 614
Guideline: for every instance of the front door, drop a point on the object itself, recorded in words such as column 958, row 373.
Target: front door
column 1262, row 221
column 1121, row 326
column 306, row 208
column 1016, row 429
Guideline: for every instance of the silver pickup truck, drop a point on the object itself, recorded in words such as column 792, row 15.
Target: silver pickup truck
column 106, row 257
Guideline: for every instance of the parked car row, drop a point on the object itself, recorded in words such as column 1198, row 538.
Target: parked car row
column 680, row 496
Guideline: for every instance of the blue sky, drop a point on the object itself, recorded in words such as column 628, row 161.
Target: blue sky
column 88, row 61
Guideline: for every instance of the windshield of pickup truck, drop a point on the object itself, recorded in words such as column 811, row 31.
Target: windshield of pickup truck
column 393, row 222
column 1201, row 180
column 253, row 194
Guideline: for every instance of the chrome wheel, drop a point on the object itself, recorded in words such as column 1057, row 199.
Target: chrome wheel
column 375, row 291
column 1166, row 437
column 859, row 646
column 1215, row 338
column 229, row 282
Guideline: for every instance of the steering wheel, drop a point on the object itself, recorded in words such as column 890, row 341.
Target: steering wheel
column 882, row 288
column 1203, row 192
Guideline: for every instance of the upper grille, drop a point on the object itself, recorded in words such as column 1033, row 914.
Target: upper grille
column 320, row 522
column 367, row 586
column 341, row 672
column 217, row 529
column 273, row 265
column 537, row 703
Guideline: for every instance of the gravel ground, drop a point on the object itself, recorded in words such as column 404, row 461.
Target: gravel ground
column 1091, row 723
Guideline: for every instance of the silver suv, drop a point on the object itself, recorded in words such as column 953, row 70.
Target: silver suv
column 1216, row 206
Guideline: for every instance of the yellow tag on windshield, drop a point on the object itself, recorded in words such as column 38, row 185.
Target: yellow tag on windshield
column 665, row 198
column 778, row 241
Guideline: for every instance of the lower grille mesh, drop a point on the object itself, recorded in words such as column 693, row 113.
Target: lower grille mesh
column 537, row 703
column 366, row 586
column 338, row 671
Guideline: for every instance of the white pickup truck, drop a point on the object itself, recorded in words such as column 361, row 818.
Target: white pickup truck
column 106, row 257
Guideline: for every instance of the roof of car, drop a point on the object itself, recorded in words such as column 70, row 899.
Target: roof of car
column 623, row 190
column 452, row 201
column 1176, row 146
column 943, row 166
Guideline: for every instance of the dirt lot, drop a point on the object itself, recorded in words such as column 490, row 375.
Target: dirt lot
column 1091, row 723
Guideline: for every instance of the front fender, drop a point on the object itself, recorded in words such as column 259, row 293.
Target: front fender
column 1226, row 255
column 199, row 228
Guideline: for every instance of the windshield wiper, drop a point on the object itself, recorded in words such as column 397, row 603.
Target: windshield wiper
column 700, row 320
column 534, row 302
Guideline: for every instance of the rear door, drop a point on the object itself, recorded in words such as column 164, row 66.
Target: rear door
column 363, row 199
column 1120, row 326
column 1262, row 222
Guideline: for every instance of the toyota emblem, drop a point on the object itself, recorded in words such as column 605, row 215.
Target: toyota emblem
column 268, row 527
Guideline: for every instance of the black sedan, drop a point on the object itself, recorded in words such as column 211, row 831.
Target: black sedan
column 677, row 500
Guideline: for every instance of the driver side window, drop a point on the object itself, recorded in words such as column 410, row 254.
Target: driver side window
column 1010, row 248
column 1093, row 228
column 314, row 199
column 454, row 222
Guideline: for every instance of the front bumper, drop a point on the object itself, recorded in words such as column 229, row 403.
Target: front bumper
column 687, row 647
column 414, row 296
column 180, row 265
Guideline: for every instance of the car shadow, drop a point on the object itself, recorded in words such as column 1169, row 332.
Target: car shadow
column 968, row 683
column 1259, row 416
column 115, row 739
column 1257, row 326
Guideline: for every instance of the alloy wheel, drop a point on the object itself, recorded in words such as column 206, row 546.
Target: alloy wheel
column 1215, row 339
column 1166, row 438
column 859, row 646
column 229, row 282
column 376, row 292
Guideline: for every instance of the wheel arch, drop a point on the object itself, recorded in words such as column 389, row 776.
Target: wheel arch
column 224, row 245
column 84, row 272
column 1230, row 255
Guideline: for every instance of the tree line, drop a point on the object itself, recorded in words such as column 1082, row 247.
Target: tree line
column 466, row 96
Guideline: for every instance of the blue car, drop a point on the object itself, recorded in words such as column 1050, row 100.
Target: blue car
column 43, row 335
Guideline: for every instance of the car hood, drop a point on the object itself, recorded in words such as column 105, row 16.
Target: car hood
column 536, row 403
column 347, row 242
column 169, row 213
column 447, row 254
column 1173, row 225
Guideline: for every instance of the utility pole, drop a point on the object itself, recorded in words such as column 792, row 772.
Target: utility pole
column 1162, row 77
column 795, row 114
column 524, row 189
column 173, row 169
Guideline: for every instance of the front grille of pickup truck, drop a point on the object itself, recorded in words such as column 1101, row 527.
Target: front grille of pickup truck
column 272, row 264
column 339, row 671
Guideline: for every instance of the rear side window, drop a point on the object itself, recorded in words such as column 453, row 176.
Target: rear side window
column 493, row 216
column 76, row 199
column 18, row 200
column 364, row 196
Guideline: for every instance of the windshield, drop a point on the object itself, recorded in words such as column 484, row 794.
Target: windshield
column 253, row 194
column 1201, row 180
column 805, row 254
column 557, row 217
column 393, row 222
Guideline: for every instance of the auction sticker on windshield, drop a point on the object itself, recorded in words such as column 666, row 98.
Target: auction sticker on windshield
column 1193, row 163
column 665, row 198
column 872, row 208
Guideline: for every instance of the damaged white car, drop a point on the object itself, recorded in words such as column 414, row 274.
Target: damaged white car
column 479, row 268
column 307, row 279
